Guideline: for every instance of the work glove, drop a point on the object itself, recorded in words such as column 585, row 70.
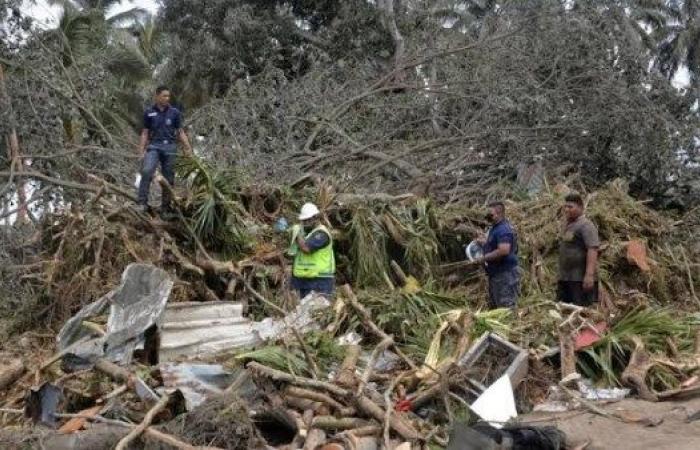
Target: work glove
column 293, row 246
column 296, row 229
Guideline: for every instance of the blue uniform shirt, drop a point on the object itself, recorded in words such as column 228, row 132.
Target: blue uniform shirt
column 501, row 233
column 162, row 125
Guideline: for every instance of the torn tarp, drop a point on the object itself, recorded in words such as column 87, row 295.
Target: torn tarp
column 134, row 306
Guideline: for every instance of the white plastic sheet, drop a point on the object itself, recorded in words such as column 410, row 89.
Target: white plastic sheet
column 497, row 404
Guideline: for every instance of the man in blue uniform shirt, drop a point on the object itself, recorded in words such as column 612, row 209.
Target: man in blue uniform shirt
column 501, row 259
column 162, row 128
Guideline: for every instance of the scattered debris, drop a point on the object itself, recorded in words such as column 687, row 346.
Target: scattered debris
column 637, row 255
column 497, row 404
column 135, row 306
column 197, row 382
column 395, row 362
column 201, row 329
column 42, row 403
column 491, row 357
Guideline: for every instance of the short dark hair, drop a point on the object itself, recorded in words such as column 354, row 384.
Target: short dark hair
column 499, row 205
column 161, row 88
column 574, row 197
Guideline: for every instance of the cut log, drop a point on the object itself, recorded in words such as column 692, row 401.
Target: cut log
column 330, row 423
column 113, row 370
column 397, row 423
column 314, row 438
column 319, row 397
column 346, row 374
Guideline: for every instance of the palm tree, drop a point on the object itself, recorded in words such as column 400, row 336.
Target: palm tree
column 150, row 38
column 101, row 8
column 670, row 29
column 85, row 26
column 681, row 44
column 84, row 30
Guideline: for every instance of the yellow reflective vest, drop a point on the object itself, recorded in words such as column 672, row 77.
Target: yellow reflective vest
column 318, row 264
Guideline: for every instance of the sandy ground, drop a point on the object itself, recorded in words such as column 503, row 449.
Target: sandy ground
column 673, row 433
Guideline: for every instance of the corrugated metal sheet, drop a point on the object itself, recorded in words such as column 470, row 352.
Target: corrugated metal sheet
column 198, row 329
column 191, row 329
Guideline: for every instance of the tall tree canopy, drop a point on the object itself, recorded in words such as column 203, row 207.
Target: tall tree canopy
column 436, row 95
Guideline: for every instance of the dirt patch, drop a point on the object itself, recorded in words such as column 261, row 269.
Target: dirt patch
column 611, row 434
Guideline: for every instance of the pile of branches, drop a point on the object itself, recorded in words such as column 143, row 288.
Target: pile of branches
column 418, row 306
column 223, row 238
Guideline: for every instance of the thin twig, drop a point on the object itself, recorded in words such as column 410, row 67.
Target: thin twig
column 140, row 428
column 390, row 407
column 378, row 350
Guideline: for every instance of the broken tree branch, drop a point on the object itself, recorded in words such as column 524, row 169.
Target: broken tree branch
column 369, row 323
column 278, row 375
column 140, row 428
column 330, row 423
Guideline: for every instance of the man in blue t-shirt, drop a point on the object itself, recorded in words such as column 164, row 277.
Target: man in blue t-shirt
column 162, row 128
column 501, row 259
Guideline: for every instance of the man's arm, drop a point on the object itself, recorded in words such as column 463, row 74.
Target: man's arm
column 143, row 142
column 591, row 240
column 303, row 246
column 501, row 251
column 186, row 142
column 591, row 267
column 317, row 241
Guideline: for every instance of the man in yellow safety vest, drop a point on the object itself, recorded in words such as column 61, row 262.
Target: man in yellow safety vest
column 312, row 249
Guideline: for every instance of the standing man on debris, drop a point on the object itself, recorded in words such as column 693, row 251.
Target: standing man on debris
column 578, row 255
column 312, row 249
column 501, row 258
column 162, row 127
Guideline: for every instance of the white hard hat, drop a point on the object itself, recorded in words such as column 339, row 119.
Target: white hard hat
column 308, row 210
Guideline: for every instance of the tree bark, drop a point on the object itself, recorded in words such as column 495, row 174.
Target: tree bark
column 389, row 12
column 16, row 161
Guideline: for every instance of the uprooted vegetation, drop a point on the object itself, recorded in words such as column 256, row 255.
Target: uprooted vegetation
column 224, row 232
column 413, row 294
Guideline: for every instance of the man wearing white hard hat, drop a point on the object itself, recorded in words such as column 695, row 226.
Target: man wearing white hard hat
column 312, row 249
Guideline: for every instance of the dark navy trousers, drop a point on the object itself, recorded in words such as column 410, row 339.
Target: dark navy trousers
column 165, row 155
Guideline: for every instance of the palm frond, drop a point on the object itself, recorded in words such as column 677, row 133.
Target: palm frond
column 217, row 215
column 278, row 357
column 129, row 17
column 368, row 252
column 610, row 355
column 127, row 61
